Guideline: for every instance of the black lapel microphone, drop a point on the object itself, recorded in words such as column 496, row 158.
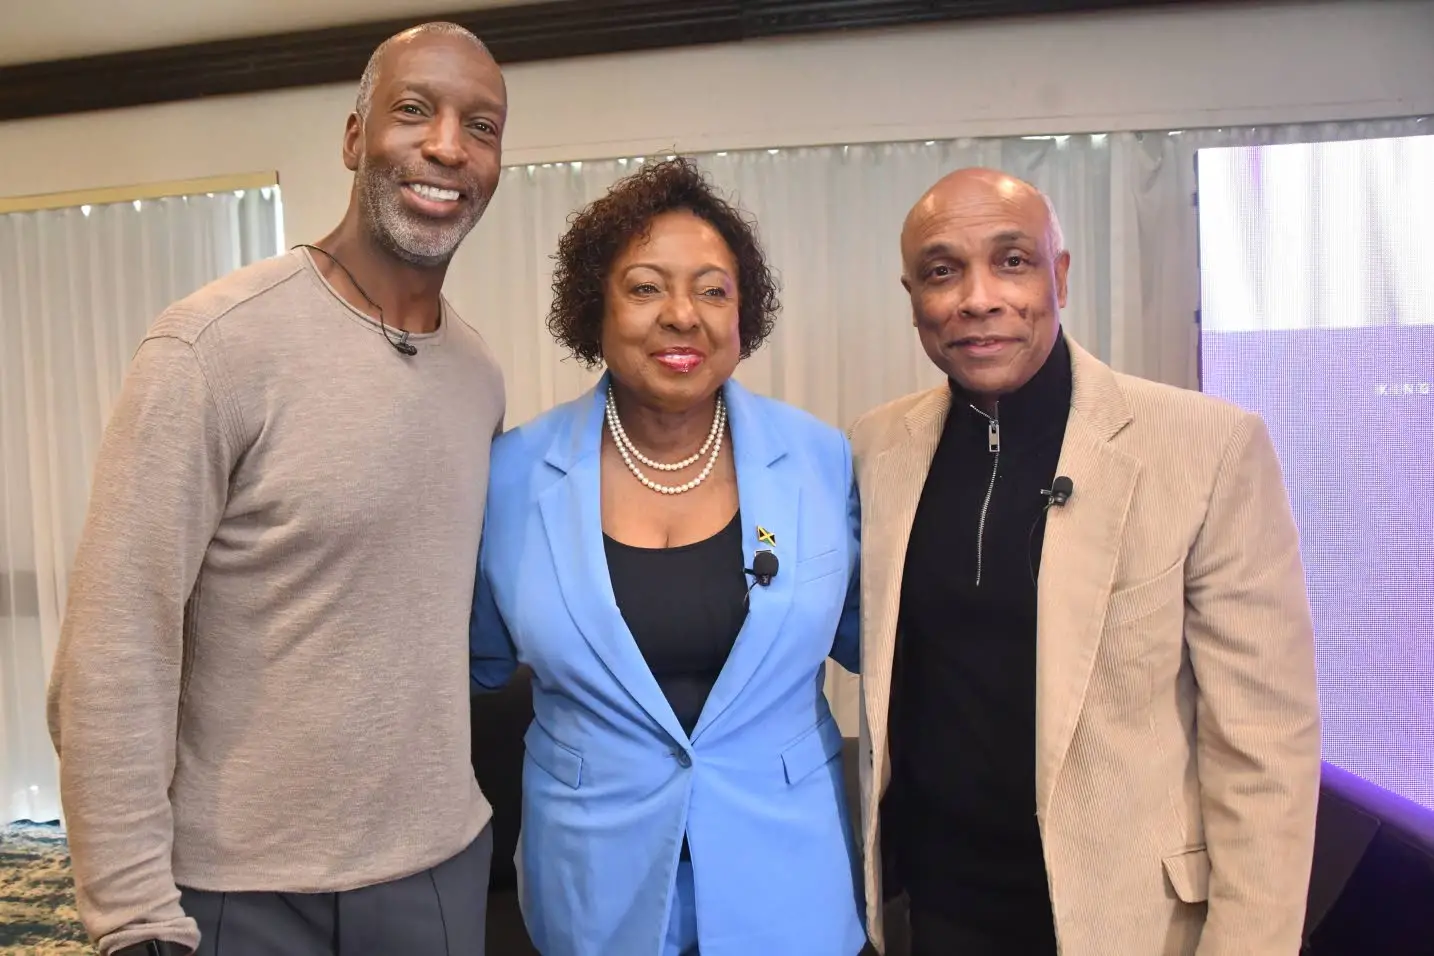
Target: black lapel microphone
column 1056, row 496
column 763, row 569
column 402, row 345
column 1059, row 492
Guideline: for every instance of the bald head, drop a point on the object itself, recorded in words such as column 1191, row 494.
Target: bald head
column 371, row 72
column 981, row 185
column 985, row 264
column 425, row 142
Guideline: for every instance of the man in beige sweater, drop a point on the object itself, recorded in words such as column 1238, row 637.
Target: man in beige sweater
column 261, row 696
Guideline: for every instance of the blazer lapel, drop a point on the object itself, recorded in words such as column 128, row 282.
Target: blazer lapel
column 769, row 496
column 1078, row 560
column 572, row 520
column 889, row 498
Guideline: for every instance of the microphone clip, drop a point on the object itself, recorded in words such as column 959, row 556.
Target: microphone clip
column 764, row 567
column 403, row 346
column 1058, row 493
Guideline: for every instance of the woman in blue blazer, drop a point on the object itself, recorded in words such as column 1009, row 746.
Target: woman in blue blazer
column 682, row 788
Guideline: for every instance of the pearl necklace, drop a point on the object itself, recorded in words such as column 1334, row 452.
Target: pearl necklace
column 629, row 451
column 621, row 436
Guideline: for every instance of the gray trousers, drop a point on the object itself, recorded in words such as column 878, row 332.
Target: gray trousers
column 439, row 912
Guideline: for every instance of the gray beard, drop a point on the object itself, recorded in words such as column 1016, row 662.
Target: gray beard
column 408, row 237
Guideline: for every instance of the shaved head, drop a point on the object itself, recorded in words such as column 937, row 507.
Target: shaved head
column 982, row 183
column 985, row 264
column 425, row 141
column 375, row 61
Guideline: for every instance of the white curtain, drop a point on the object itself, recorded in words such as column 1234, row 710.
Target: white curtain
column 78, row 288
column 830, row 218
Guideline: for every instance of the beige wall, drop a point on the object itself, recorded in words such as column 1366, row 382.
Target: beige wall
column 1157, row 69
column 33, row 30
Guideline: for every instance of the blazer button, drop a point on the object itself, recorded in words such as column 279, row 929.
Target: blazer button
column 683, row 760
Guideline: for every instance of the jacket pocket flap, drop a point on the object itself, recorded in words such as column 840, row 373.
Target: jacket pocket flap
column 1189, row 874
column 828, row 562
column 564, row 763
column 1139, row 600
column 812, row 751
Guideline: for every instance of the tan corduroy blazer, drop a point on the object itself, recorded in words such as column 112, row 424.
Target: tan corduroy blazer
column 1177, row 742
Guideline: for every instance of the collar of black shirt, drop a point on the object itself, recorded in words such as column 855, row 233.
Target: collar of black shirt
column 1031, row 411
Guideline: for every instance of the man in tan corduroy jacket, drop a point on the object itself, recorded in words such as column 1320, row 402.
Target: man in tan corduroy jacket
column 1089, row 716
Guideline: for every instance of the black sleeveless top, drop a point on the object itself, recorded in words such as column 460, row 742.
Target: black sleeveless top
column 684, row 607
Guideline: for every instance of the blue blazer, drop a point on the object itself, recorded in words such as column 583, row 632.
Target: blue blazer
column 610, row 780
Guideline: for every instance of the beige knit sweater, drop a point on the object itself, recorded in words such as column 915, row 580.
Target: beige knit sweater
column 262, row 680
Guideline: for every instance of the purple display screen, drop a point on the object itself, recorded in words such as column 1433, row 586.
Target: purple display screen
column 1317, row 312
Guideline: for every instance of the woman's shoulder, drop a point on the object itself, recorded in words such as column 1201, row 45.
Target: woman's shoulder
column 522, row 445
column 798, row 426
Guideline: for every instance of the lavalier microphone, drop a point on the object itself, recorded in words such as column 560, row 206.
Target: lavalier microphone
column 401, row 345
column 1059, row 492
column 764, row 567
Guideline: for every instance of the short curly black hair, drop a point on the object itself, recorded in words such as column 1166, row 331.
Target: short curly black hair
column 599, row 233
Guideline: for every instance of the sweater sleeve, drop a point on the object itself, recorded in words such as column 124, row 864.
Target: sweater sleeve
column 160, row 488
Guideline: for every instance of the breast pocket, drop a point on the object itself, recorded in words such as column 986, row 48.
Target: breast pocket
column 820, row 566
column 1145, row 598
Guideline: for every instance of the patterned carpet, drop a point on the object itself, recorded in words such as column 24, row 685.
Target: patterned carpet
column 37, row 900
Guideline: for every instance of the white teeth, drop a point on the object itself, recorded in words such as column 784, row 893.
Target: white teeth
column 434, row 193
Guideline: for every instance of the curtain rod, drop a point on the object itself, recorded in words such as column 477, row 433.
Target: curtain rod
column 122, row 194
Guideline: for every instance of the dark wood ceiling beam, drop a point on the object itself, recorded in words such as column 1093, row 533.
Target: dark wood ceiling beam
column 554, row 29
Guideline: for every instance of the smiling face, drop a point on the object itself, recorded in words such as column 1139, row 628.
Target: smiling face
column 986, row 279
column 669, row 330
column 427, row 155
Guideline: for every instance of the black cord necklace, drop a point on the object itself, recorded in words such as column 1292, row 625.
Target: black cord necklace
column 401, row 344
